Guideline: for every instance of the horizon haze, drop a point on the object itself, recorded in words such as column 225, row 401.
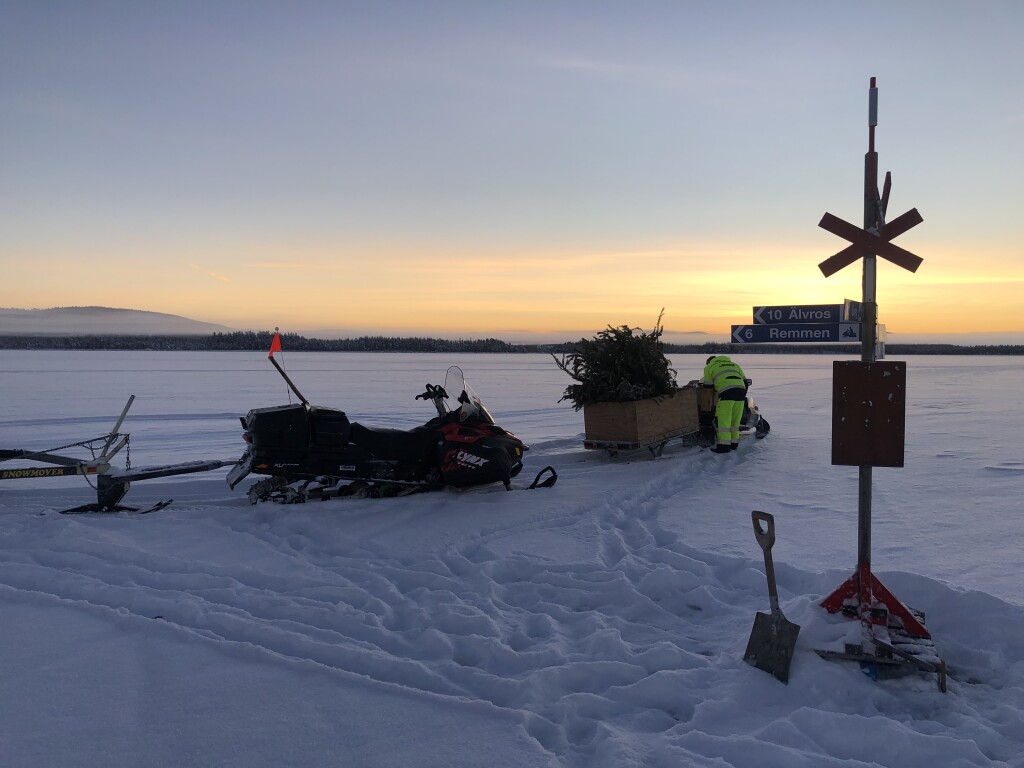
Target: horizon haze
column 83, row 321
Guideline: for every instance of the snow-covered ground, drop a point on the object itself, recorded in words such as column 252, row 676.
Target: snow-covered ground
column 601, row 622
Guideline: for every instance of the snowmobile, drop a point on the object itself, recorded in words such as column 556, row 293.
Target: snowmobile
column 752, row 424
column 311, row 452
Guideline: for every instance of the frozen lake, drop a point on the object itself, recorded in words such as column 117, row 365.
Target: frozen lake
column 964, row 418
column 189, row 402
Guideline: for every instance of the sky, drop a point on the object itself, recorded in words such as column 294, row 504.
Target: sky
column 506, row 168
column 599, row 623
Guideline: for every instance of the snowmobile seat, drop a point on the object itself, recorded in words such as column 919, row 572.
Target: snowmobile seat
column 395, row 444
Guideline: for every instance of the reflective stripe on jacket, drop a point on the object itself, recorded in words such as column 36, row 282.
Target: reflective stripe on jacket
column 724, row 374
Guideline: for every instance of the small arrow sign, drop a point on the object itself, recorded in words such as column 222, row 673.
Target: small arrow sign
column 853, row 311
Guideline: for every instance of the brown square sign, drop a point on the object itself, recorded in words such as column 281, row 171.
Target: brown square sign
column 868, row 413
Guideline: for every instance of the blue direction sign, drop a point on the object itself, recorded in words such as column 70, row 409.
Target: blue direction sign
column 847, row 312
column 807, row 313
column 790, row 333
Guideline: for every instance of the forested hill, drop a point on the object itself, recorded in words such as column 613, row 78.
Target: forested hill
column 259, row 341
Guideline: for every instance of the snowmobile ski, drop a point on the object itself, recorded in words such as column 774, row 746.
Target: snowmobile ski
column 85, row 509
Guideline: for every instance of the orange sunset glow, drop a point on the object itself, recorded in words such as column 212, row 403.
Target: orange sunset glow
column 485, row 172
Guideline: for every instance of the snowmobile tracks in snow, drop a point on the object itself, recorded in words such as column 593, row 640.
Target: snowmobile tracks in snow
column 587, row 625
column 280, row 491
column 569, row 647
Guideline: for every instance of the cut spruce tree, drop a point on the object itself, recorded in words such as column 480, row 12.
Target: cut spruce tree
column 627, row 390
column 618, row 365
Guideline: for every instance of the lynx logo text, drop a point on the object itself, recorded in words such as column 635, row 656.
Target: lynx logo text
column 466, row 459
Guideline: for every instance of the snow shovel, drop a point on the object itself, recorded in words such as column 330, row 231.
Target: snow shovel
column 773, row 638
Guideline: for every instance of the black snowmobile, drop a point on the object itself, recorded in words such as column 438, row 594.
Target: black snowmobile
column 310, row 452
column 752, row 423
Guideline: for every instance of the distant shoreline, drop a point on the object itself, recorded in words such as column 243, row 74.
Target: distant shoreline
column 242, row 341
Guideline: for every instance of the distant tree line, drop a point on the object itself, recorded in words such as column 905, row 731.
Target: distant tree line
column 255, row 341
column 259, row 341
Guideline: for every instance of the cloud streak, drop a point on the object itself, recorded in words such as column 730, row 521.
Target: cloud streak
column 210, row 273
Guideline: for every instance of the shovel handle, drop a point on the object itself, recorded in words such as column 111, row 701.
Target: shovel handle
column 766, row 538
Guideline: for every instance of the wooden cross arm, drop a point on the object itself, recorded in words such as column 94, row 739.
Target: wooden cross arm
column 864, row 242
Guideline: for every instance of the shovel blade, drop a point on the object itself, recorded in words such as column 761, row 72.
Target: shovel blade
column 771, row 645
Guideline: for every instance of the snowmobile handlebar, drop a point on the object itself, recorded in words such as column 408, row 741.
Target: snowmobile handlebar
column 437, row 394
column 434, row 392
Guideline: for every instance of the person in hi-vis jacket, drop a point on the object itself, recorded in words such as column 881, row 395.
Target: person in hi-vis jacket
column 731, row 388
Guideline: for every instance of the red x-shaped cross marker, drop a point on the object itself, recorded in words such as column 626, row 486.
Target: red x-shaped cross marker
column 865, row 242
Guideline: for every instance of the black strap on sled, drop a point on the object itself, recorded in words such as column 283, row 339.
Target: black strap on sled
column 547, row 482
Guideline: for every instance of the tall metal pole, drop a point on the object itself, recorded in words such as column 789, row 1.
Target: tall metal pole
column 872, row 221
column 869, row 243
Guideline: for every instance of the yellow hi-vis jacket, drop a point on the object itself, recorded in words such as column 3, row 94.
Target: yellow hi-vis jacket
column 724, row 374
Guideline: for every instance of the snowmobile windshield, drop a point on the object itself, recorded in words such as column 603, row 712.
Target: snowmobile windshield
column 470, row 405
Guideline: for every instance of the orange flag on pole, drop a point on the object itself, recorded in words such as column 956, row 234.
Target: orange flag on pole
column 275, row 344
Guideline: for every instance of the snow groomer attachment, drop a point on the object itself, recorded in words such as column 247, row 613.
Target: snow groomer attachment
column 111, row 483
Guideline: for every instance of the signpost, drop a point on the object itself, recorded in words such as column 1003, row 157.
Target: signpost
column 821, row 323
column 872, row 436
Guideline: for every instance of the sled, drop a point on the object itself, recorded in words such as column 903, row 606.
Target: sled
column 656, row 444
column 688, row 414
